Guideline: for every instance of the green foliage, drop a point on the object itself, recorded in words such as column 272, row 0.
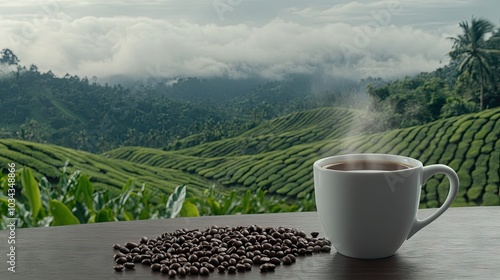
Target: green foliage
column 175, row 202
column 492, row 188
column 476, row 57
column 490, row 199
column 75, row 201
column 31, row 191
column 213, row 203
column 61, row 214
column 474, row 192
column 410, row 101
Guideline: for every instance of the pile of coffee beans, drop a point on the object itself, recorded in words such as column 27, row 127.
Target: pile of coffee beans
column 221, row 249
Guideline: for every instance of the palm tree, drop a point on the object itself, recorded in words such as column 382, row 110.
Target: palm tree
column 471, row 54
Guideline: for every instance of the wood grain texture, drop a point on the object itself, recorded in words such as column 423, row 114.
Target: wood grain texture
column 463, row 243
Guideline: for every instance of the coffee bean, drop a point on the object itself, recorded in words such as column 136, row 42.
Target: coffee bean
column 241, row 252
column 119, row 255
column 292, row 257
column 182, row 271
column 204, row 271
column 135, row 250
column 164, row 269
column 156, row 267
column 287, row 260
column 172, row 273
column 210, row 266
column 193, row 258
column 240, row 267
column 270, row 267
column 326, row 249
column 309, row 250
column 248, row 266
column 265, row 260
column 124, row 250
column 225, row 248
column 118, row 267
column 221, row 269
column 121, row 260
column 175, row 266
column 193, row 270
column 129, row 265
column 221, row 249
column 275, row 261
column 196, row 264
column 214, row 261
column 130, row 245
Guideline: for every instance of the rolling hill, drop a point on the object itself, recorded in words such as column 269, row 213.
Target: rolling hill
column 47, row 160
column 286, row 148
column 278, row 155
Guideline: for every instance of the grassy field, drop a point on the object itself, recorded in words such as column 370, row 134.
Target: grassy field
column 278, row 156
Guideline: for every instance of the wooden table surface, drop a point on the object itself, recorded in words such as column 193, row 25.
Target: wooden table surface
column 463, row 243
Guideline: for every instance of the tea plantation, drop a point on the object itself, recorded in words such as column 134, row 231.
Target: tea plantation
column 278, row 156
column 285, row 149
column 48, row 160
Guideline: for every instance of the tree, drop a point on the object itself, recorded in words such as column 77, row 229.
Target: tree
column 473, row 57
column 8, row 57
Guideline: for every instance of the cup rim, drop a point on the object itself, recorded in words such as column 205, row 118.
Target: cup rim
column 322, row 162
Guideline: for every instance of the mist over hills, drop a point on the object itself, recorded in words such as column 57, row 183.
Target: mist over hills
column 82, row 113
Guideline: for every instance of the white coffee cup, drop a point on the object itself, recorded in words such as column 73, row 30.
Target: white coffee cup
column 368, row 213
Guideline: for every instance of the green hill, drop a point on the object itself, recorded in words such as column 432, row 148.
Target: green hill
column 284, row 132
column 47, row 160
column 278, row 156
column 469, row 144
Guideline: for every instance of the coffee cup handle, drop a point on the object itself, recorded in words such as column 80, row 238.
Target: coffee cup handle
column 429, row 171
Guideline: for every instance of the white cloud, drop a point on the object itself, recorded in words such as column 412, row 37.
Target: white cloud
column 302, row 39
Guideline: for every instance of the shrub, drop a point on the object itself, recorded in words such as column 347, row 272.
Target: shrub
column 249, row 180
column 459, row 202
column 491, row 188
column 432, row 204
column 442, row 190
column 490, row 199
column 474, row 193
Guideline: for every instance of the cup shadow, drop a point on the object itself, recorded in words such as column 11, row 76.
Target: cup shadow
column 394, row 267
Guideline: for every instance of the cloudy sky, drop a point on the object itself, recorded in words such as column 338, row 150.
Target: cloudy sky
column 235, row 38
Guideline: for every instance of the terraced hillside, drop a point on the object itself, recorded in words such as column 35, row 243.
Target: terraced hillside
column 47, row 160
column 284, row 132
column 469, row 144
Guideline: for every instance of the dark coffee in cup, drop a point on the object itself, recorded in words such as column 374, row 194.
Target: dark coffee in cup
column 358, row 165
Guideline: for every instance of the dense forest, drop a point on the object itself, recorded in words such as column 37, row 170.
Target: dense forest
column 82, row 113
